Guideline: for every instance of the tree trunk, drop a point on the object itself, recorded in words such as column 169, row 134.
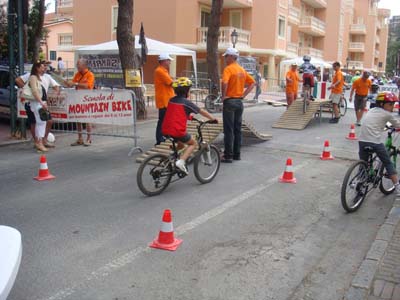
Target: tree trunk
column 212, row 44
column 37, row 35
column 127, row 53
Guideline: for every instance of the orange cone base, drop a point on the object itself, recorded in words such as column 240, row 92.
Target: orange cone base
column 171, row 247
column 351, row 138
column 293, row 180
column 327, row 158
column 48, row 177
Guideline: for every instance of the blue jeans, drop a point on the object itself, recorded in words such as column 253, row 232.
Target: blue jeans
column 232, row 117
column 381, row 152
column 159, row 136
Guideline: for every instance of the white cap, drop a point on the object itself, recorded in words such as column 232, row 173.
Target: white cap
column 164, row 56
column 231, row 51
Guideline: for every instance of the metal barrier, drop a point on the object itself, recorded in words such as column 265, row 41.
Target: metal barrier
column 389, row 89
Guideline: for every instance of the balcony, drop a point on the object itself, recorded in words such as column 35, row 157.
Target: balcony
column 294, row 15
column 355, row 64
column 377, row 39
column 232, row 3
column 356, row 47
column 316, row 3
column 312, row 26
column 313, row 52
column 292, row 48
column 358, row 29
column 65, row 6
column 225, row 37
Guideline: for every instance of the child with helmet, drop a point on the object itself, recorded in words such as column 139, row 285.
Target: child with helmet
column 372, row 96
column 178, row 112
column 308, row 70
column 372, row 128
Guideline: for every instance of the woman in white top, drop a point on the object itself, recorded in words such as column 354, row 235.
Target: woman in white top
column 37, row 91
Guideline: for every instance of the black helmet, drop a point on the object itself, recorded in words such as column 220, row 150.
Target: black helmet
column 306, row 58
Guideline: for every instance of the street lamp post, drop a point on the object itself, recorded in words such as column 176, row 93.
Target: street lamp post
column 234, row 37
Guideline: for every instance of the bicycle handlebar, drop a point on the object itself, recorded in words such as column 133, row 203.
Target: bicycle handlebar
column 215, row 121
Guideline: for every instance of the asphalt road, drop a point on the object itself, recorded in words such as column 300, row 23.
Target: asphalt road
column 245, row 235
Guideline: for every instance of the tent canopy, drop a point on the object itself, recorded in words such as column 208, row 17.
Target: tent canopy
column 299, row 61
column 154, row 48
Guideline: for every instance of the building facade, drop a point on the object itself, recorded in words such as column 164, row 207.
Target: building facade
column 353, row 32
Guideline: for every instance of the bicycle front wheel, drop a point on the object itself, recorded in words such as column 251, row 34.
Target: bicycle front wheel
column 209, row 103
column 154, row 174
column 343, row 106
column 386, row 185
column 206, row 164
column 355, row 186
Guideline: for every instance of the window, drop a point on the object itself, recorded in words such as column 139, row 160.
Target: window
column 53, row 55
column 281, row 27
column 235, row 18
column 205, row 17
column 65, row 39
column 114, row 18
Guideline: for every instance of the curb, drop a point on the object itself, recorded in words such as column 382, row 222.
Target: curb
column 362, row 282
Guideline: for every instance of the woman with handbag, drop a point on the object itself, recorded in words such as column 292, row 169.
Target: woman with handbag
column 38, row 104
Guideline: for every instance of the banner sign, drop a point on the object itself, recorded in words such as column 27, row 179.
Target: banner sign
column 87, row 106
column 248, row 63
column 107, row 69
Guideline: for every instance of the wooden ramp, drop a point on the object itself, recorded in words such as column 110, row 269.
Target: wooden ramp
column 294, row 118
column 210, row 133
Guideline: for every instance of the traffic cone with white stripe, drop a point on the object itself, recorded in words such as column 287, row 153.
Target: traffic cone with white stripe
column 288, row 176
column 326, row 154
column 44, row 173
column 352, row 133
column 166, row 239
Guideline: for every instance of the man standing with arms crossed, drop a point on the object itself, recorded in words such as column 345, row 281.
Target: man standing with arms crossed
column 337, row 90
column 163, row 91
column 234, row 79
column 361, row 86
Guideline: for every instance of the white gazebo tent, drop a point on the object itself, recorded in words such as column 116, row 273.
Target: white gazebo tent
column 154, row 47
column 285, row 64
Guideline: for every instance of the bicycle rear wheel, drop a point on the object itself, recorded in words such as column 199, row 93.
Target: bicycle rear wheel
column 209, row 103
column 206, row 164
column 154, row 174
column 343, row 106
column 355, row 186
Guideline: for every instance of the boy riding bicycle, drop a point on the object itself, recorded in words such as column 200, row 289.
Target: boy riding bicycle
column 308, row 70
column 178, row 112
column 372, row 128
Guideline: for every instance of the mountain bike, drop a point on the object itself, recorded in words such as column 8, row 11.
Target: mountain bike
column 306, row 96
column 157, row 170
column 363, row 176
column 342, row 106
column 213, row 103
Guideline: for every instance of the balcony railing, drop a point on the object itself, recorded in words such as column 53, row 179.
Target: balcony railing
column 313, row 52
column 64, row 3
column 312, row 26
column 294, row 15
column 316, row 3
column 358, row 29
column 355, row 64
column 225, row 36
column 356, row 47
column 378, row 25
column 377, row 39
column 292, row 48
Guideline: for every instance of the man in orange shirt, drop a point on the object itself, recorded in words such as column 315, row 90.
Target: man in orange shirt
column 337, row 90
column 83, row 80
column 362, row 87
column 163, row 91
column 234, row 79
column 292, row 84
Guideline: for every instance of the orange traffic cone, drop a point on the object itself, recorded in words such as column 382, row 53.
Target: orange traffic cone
column 326, row 154
column 288, row 175
column 166, row 240
column 352, row 133
column 44, row 173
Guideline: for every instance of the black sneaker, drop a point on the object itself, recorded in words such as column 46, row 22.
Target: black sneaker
column 226, row 159
column 334, row 120
column 236, row 157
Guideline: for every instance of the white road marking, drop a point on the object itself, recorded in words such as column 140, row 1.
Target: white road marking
column 130, row 256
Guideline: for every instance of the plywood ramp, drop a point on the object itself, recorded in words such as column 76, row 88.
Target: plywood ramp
column 294, row 118
column 210, row 133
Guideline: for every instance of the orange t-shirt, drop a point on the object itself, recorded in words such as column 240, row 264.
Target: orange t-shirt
column 338, row 77
column 162, row 87
column 361, row 86
column 236, row 77
column 86, row 77
column 292, row 87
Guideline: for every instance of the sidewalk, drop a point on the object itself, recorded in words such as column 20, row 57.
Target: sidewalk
column 378, row 277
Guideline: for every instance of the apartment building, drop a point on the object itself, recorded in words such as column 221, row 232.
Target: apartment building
column 351, row 31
